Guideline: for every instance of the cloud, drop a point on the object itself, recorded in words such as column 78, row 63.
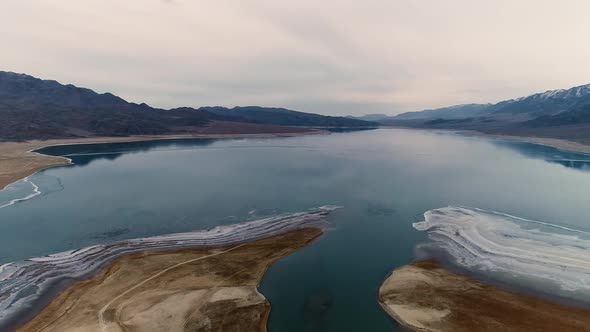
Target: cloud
column 332, row 57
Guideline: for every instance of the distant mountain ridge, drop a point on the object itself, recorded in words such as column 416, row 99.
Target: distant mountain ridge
column 451, row 112
column 282, row 117
column 32, row 108
column 545, row 103
column 370, row 117
column 563, row 113
column 575, row 92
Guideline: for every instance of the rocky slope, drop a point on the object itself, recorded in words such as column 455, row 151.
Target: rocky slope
column 32, row 108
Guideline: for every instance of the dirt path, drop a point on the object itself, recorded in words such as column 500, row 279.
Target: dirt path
column 182, row 290
column 100, row 315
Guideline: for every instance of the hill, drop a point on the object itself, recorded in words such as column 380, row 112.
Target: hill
column 32, row 108
column 282, row 117
column 451, row 112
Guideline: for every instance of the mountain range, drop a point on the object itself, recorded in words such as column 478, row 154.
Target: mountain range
column 32, row 108
column 563, row 113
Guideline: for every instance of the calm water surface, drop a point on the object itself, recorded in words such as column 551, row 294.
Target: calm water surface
column 385, row 180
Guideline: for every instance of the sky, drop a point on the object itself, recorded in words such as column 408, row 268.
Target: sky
column 333, row 57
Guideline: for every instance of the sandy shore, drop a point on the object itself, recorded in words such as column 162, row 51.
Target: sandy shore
column 424, row 296
column 17, row 161
column 181, row 290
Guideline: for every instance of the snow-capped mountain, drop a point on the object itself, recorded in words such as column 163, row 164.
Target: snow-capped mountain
column 547, row 103
column 576, row 92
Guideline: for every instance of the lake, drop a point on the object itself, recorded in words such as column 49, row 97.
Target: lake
column 384, row 179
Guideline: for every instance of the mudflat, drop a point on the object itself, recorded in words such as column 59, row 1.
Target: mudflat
column 425, row 296
column 182, row 290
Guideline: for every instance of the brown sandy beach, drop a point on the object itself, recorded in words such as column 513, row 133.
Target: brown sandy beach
column 17, row 161
column 424, row 296
column 181, row 290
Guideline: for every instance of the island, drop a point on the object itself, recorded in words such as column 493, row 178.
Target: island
column 425, row 296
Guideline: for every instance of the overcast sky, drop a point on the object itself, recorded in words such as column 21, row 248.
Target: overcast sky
column 324, row 56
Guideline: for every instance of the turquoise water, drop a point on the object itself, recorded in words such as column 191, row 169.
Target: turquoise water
column 384, row 179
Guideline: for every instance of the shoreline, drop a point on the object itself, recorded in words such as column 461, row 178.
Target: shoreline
column 557, row 143
column 428, row 296
column 16, row 154
column 19, row 160
column 215, row 285
column 53, row 274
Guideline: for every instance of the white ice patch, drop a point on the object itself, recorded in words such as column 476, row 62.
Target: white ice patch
column 485, row 240
column 34, row 193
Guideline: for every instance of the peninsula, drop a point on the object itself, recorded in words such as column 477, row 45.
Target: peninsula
column 425, row 296
column 210, row 276
column 18, row 159
column 179, row 290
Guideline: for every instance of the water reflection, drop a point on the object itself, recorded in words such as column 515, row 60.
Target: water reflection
column 575, row 160
column 385, row 180
column 83, row 154
column 316, row 308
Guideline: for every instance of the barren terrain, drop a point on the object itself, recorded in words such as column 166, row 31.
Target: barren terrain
column 182, row 290
column 424, row 296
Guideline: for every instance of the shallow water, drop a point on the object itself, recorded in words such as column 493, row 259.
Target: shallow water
column 384, row 179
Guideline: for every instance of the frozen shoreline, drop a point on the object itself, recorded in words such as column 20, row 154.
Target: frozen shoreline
column 26, row 284
column 498, row 243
